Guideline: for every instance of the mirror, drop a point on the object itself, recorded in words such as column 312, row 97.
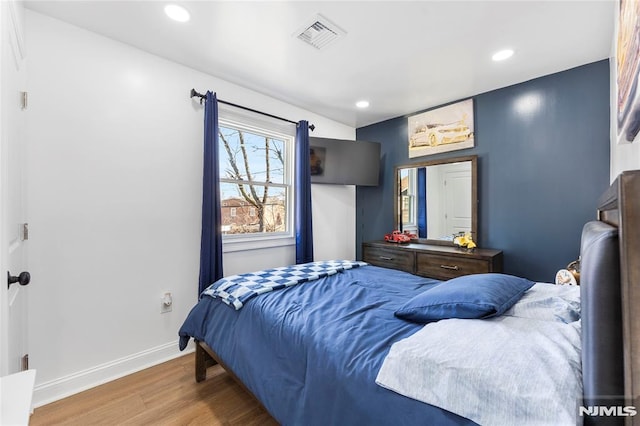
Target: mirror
column 437, row 199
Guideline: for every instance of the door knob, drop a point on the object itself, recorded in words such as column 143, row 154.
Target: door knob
column 23, row 279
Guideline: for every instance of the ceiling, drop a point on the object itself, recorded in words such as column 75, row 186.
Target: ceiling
column 400, row 56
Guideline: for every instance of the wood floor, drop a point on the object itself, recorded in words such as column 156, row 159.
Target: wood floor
column 166, row 394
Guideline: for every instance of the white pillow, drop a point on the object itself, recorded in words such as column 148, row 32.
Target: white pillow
column 548, row 302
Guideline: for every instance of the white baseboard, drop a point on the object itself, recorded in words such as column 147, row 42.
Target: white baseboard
column 63, row 387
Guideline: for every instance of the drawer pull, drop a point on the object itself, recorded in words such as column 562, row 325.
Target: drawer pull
column 453, row 268
column 386, row 258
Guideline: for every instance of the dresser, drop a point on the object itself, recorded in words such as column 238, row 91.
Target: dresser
column 429, row 260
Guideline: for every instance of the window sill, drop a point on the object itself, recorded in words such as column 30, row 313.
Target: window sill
column 235, row 245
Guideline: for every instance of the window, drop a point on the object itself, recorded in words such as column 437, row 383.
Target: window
column 255, row 160
column 408, row 197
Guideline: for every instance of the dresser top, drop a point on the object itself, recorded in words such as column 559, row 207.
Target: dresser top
column 438, row 249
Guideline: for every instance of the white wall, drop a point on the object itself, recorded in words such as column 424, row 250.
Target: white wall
column 114, row 197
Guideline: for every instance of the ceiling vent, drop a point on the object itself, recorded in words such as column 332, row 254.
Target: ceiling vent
column 320, row 32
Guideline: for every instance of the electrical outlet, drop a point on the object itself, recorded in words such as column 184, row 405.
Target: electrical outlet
column 166, row 302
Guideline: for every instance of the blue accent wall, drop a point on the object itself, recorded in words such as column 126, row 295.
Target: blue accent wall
column 543, row 162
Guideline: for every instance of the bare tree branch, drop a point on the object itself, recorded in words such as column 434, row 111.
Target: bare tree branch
column 252, row 196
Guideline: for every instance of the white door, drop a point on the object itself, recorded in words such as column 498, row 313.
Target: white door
column 13, row 298
column 457, row 200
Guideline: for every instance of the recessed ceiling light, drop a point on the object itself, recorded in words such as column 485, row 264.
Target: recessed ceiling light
column 177, row 13
column 502, row 55
column 362, row 104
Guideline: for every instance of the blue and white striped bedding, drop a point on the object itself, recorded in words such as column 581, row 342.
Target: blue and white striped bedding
column 235, row 290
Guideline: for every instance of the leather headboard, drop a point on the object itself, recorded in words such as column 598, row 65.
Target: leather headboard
column 602, row 353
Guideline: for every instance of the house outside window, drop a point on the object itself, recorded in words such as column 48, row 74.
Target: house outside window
column 408, row 197
column 256, row 178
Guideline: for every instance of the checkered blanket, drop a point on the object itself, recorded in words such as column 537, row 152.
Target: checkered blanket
column 237, row 289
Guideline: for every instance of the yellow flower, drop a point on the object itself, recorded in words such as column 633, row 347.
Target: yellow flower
column 464, row 240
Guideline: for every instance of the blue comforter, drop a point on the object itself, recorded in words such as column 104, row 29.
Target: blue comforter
column 310, row 353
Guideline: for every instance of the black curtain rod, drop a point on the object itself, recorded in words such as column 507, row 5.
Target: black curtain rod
column 203, row 97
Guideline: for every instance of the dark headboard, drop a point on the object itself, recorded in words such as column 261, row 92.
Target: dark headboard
column 610, row 289
column 602, row 347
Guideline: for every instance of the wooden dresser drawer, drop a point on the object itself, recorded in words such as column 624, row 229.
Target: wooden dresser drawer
column 441, row 262
column 389, row 257
column 446, row 267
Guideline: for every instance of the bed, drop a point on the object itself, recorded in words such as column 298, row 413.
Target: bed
column 314, row 353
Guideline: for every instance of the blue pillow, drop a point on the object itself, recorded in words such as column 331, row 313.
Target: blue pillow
column 469, row 296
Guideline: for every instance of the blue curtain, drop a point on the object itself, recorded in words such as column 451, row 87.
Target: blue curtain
column 422, row 202
column 211, row 239
column 304, row 232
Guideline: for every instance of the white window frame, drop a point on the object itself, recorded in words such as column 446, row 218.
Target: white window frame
column 412, row 198
column 256, row 123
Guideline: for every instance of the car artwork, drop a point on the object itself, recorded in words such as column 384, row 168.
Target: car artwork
column 440, row 134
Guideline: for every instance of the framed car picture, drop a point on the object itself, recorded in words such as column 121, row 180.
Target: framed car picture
column 441, row 130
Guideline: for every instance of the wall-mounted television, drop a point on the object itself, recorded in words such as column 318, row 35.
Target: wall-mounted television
column 344, row 162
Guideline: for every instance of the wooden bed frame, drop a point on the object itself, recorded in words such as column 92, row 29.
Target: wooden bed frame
column 619, row 207
column 205, row 358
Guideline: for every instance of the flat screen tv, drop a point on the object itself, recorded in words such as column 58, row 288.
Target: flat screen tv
column 344, row 162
